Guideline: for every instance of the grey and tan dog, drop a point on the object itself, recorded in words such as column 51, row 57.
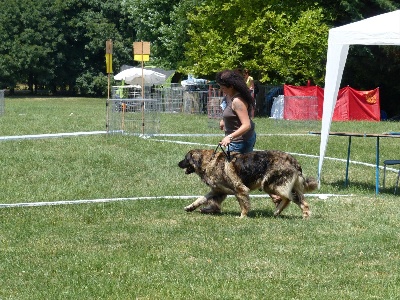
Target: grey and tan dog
column 277, row 173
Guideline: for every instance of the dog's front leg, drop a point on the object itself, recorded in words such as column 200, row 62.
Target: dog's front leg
column 214, row 204
column 199, row 202
column 244, row 201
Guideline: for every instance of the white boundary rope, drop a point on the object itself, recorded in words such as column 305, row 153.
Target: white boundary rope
column 106, row 200
column 48, row 135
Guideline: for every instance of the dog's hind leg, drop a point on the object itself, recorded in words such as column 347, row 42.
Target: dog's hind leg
column 283, row 196
column 279, row 196
column 300, row 185
column 283, row 203
column 276, row 199
column 299, row 199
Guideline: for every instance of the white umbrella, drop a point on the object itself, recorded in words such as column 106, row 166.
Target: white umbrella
column 134, row 76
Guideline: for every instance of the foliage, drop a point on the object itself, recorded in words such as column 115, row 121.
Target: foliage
column 92, row 85
column 348, row 11
column 52, row 43
column 277, row 46
column 29, row 39
column 152, row 21
column 173, row 35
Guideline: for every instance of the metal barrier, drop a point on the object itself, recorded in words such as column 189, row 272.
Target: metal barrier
column 130, row 113
column 133, row 116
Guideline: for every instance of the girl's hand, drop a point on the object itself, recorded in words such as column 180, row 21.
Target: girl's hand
column 225, row 141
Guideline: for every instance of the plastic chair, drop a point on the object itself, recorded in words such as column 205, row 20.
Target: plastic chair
column 391, row 162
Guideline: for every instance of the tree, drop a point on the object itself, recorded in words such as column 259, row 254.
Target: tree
column 87, row 25
column 60, row 44
column 173, row 35
column 152, row 22
column 28, row 43
column 278, row 46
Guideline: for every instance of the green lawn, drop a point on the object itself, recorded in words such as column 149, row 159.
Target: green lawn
column 152, row 249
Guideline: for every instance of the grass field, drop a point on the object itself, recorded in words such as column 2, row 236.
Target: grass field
column 152, row 249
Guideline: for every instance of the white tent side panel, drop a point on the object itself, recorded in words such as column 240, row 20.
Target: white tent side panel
column 337, row 55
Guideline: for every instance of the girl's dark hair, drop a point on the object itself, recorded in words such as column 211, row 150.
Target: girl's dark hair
column 230, row 78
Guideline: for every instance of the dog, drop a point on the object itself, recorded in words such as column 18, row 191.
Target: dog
column 275, row 172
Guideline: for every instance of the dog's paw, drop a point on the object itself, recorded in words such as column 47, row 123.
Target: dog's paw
column 306, row 214
column 189, row 208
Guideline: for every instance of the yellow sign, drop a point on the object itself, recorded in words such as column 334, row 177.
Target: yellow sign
column 109, row 46
column 109, row 63
column 140, row 57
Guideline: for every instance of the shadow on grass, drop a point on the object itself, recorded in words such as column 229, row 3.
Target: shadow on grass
column 254, row 214
column 269, row 214
column 353, row 185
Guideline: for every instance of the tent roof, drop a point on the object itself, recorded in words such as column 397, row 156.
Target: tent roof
column 383, row 29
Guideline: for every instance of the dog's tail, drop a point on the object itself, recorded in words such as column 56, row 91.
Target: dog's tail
column 310, row 184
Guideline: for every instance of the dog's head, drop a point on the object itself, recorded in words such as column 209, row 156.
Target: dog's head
column 192, row 161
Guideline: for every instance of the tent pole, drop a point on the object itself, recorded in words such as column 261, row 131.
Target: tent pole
column 347, row 163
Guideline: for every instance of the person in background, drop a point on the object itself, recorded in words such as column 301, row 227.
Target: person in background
column 249, row 81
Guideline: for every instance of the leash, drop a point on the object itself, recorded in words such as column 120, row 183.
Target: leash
column 227, row 153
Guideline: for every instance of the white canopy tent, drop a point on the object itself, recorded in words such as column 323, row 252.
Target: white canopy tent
column 383, row 29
